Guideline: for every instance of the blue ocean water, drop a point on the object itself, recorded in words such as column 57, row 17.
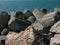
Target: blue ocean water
column 14, row 5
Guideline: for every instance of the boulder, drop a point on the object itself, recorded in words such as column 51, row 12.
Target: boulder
column 31, row 19
column 38, row 14
column 23, row 38
column 18, row 15
column 4, row 18
column 55, row 40
column 49, row 19
column 57, row 9
column 37, row 26
column 5, row 31
column 56, row 27
column 27, row 13
column 18, row 25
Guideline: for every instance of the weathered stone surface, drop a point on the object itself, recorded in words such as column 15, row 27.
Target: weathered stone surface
column 31, row 19
column 17, row 25
column 57, row 9
column 27, row 13
column 5, row 31
column 56, row 27
column 55, row 40
column 49, row 19
column 23, row 38
column 38, row 14
column 37, row 25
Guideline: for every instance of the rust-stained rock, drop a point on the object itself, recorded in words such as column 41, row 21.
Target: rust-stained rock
column 23, row 38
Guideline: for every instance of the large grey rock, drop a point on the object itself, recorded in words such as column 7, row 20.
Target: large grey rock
column 37, row 25
column 38, row 14
column 55, row 40
column 18, row 25
column 27, row 13
column 23, row 38
column 31, row 19
column 49, row 19
column 56, row 27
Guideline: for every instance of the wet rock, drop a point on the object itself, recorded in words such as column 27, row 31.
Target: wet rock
column 23, row 38
column 27, row 14
column 18, row 25
column 31, row 19
column 55, row 40
column 56, row 27
column 5, row 31
column 38, row 14
column 37, row 25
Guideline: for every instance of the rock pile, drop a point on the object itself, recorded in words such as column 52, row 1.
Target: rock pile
column 31, row 28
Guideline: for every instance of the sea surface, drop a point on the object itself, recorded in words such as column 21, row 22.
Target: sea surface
column 15, row 5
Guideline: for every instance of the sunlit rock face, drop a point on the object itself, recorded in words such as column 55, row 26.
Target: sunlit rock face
column 56, row 27
column 38, row 14
column 23, row 38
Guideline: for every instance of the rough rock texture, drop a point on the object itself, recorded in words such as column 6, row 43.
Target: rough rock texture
column 55, row 40
column 38, row 14
column 56, row 27
column 37, row 25
column 23, row 38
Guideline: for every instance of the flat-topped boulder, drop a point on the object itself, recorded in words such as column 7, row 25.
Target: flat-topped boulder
column 38, row 14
